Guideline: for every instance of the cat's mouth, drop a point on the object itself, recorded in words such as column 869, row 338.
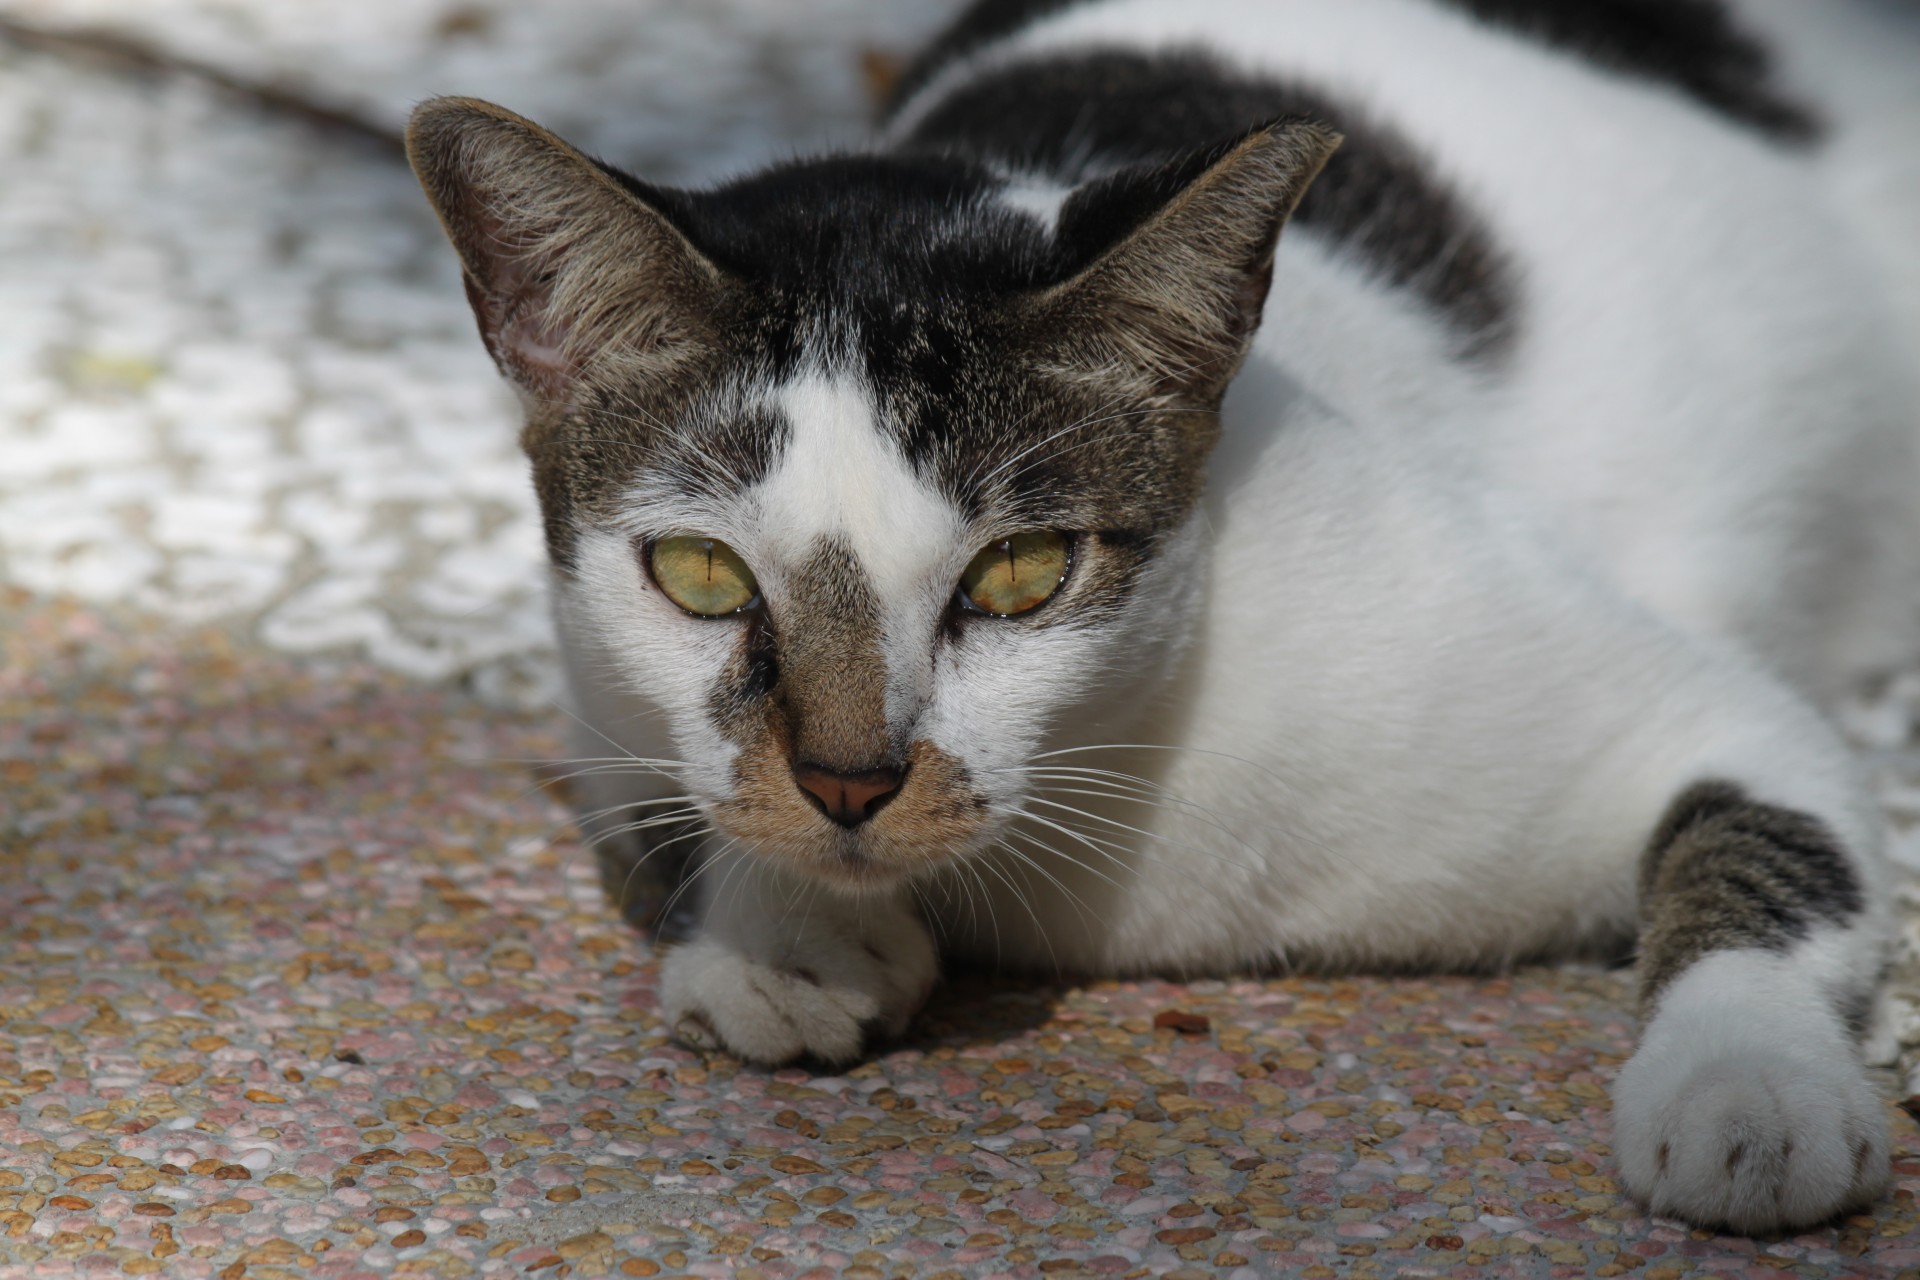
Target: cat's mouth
column 860, row 830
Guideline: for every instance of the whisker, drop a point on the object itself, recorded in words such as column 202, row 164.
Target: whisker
column 544, row 760
column 977, row 480
column 1184, row 847
column 973, row 910
column 1079, row 904
column 597, row 770
column 592, row 814
column 1299, row 837
column 1052, row 879
column 581, row 820
column 1078, row 444
column 811, row 887
column 541, row 783
column 993, row 919
column 720, row 893
column 687, row 882
column 1124, row 786
column 647, row 824
column 1082, row 838
column 806, row 913
column 923, row 906
column 1160, row 746
column 626, row 885
column 1038, row 929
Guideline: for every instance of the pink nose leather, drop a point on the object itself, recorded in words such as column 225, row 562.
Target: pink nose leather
column 848, row 798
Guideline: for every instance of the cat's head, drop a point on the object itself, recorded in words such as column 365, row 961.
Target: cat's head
column 867, row 472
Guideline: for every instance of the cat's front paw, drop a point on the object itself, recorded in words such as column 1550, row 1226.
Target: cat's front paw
column 1755, row 1137
column 820, row 992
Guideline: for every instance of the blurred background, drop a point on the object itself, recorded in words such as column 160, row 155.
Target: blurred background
column 238, row 379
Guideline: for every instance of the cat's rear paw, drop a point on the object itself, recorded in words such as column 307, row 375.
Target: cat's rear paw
column 819, row 995
column 1756, row 1138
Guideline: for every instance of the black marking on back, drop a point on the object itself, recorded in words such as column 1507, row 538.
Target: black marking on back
column 1693, row 45
column 983, row 23
column 1074, row 116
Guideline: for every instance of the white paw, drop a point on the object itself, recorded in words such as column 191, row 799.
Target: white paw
column 818, row 991
column 1766, row 1135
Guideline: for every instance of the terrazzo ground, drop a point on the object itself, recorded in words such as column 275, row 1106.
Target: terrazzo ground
column 302, row 972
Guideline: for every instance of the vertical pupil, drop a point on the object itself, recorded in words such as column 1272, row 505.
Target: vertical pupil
column 1013, row 564
column 709, row 563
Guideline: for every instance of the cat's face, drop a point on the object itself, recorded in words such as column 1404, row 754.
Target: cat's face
column 859, row 643
column 866, row 479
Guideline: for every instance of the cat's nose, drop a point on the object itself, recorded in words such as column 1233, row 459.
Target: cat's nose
column 848, row 798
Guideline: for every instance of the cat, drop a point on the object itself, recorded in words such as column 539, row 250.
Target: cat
column 1228, row 484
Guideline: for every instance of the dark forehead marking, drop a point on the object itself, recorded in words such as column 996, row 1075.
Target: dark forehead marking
column 582, row 455
column 1378, row 199
column 811, row 239
column 727, row 442
column 714, row 439
column 1693, row 46
column 905, row 271
column 1013, row 450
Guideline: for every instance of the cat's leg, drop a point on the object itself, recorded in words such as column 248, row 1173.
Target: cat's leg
column 1746, row 1104
column 782, row 969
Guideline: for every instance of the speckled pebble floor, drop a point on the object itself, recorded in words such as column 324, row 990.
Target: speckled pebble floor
column 303, row 973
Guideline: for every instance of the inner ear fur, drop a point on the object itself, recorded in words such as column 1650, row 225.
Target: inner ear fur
column 1176, row 301
column 570, row 273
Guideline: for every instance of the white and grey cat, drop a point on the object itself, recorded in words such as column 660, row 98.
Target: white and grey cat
column 990, row 538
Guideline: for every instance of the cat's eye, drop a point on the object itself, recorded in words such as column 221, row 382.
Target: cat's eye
column 703, row 576
column 1016, row 574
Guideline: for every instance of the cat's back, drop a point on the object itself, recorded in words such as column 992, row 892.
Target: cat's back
column 1652, row 240
column 1502, row 157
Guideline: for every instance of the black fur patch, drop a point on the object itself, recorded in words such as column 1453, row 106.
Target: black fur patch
column 1075, row 115
column 1692, row 45
column 906, row 269
column 908, row 272
column 983, row 23
column 1724, row 871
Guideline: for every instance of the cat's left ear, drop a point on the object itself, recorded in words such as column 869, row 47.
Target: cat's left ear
column 1175, row 302
column 571, row 274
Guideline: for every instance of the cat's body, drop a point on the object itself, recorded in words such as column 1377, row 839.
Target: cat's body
column 1573, row 462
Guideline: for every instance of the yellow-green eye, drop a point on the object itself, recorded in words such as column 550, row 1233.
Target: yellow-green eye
column 1016, row 574
column 703, row 576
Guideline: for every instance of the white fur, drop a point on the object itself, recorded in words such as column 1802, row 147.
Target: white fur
column 1744, row 1105
column 1037, row 198
column 840, row 477
column 782, row 970
column 1419, row 678
column 1470, row 605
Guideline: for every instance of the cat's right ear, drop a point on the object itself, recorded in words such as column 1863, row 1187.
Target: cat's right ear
column 1175, row 302
column 571, row 275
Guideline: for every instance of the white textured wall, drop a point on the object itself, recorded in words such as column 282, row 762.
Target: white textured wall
column 237, row 375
